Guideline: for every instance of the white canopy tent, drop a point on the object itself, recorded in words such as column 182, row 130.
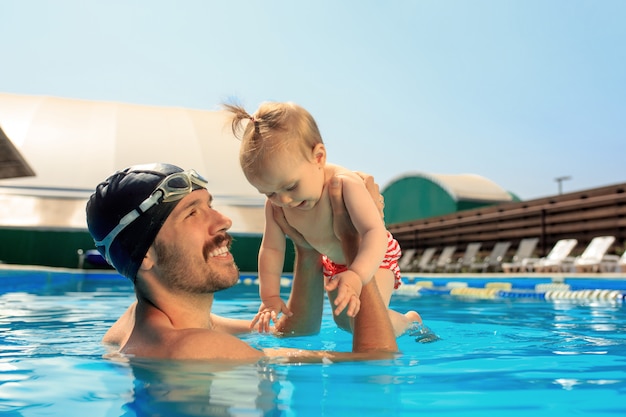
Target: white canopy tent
column 470, row 187
column 72, row 145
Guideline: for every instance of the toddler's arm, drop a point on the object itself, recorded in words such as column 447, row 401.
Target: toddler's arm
column 271, row 260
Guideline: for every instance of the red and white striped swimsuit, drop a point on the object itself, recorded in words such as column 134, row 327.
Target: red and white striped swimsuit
column 390, row 261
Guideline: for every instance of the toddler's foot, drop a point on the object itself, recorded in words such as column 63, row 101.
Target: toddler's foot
column 403, row 323
column 417, row 329
column 413, row 317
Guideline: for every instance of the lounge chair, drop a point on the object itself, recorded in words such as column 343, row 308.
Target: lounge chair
column 444, row 259
column 407, row 259
column 591, row 258
column 613, row 263
column 493, row 260
column 466, row 260
column 525, row 250
column 424, row 260
column 552, row 262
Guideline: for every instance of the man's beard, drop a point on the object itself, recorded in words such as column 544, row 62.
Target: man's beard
column 186, row 274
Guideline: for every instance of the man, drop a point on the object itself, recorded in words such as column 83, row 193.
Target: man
column 155, row 225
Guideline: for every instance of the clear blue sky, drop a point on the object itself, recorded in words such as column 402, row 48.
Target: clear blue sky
column 520, row 92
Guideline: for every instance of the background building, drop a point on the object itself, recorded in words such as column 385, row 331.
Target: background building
column 417, row 195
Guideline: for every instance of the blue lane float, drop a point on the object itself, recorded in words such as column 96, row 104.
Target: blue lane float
column 549, row 291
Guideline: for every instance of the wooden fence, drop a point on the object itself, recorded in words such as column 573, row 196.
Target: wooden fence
column 581, row 215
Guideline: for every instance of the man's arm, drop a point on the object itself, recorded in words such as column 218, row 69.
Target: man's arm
column 231, row 326
column 373, row 331
column 306, row 300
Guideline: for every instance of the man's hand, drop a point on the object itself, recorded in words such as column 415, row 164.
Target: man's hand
column 374, row 191
column 294, row 235
column 342, row 225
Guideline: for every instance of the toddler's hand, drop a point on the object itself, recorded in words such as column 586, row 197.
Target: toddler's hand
column 268, row 312
column 349, row 287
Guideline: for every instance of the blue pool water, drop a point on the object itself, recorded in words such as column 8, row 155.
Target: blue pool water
column 505, row 355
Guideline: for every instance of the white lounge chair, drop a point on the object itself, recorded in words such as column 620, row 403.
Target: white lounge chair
column 444, row 259
column 613, row 263
column 525, row 251
column 493, row 260
column 424, row 260
column 466, row 260
column 552, row 262
column 407, row 259
column 591, row 258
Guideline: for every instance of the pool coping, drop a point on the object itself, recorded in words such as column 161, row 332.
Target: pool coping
column 407, row 276
column 40, row 268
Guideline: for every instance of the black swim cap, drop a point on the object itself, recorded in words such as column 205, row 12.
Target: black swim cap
column 117, row 196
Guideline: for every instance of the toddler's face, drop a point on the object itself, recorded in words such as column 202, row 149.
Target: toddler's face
column 291, row 182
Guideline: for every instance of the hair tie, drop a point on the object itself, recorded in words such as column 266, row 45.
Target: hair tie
column 256, row 124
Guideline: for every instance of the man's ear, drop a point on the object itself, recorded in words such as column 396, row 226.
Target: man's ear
column 148, row 261
column 319, row 154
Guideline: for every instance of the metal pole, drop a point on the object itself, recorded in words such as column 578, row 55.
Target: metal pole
column 560, row 180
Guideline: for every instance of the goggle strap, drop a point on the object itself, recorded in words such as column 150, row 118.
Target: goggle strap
column 126, row 220
column 153, row 200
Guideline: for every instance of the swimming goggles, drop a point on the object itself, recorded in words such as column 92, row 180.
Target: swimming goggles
column 173, row 188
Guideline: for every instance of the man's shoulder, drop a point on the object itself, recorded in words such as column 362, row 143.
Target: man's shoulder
column 209, row 344
column 196, row 343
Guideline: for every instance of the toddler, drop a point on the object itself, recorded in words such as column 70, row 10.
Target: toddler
column 283, row 156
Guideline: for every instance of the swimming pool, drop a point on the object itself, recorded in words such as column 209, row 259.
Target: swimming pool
column 498, row 355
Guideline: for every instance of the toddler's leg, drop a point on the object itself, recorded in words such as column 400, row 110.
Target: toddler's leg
column 385, row 280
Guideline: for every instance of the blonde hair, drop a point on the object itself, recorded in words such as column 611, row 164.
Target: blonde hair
column 274, row 127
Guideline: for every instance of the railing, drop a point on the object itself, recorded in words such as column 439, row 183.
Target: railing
column 581, row 215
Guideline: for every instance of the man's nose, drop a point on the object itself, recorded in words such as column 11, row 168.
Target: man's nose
column 221, row 222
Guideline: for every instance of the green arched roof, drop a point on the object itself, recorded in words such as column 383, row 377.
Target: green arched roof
column 418, row 195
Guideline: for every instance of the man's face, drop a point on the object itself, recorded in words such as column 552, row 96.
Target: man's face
column 192, row 247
